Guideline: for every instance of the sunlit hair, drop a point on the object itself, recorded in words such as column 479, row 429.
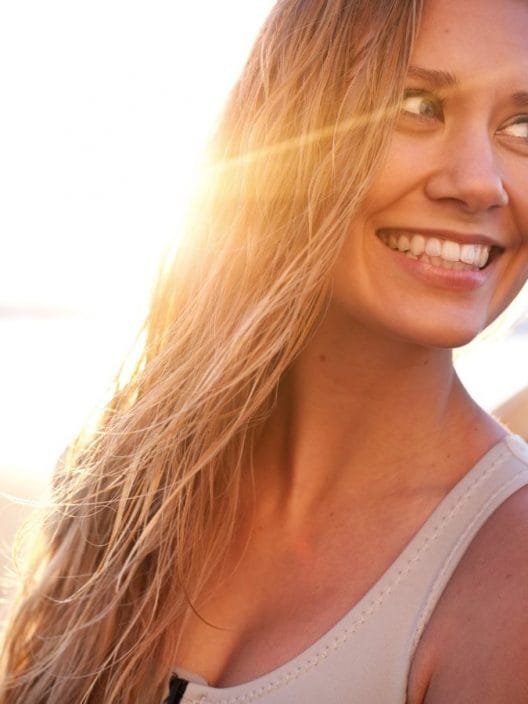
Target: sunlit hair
column 146, row 505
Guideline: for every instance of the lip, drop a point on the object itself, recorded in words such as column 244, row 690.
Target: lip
column 454, row 236
column 436, row 277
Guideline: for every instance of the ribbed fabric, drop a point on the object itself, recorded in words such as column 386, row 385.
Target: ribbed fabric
column 365, row 658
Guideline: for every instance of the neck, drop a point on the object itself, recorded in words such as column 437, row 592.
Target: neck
column 362, row 414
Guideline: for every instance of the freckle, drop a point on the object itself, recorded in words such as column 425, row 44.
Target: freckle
column 322, row 358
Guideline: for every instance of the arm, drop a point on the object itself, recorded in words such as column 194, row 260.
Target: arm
column 478, row 640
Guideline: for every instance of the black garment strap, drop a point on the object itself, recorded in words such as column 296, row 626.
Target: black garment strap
column 177, row 687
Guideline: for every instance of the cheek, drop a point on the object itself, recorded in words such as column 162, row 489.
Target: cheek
column 401, row 171
column 522, row 218
column 515, row 177
column 522, row 275
column 514, row 277
column 519, row 209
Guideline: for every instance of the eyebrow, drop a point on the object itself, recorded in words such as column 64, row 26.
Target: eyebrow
column 437, row 79
column 521, row 98
column 445, row 79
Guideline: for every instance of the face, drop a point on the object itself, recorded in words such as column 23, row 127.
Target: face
column 440, row 246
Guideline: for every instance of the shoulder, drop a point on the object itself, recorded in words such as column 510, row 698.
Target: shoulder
column 514, row 413
column 475, row 648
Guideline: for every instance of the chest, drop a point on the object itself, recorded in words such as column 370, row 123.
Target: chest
column 279, row 598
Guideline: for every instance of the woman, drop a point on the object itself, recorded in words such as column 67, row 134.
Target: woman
column 293, row 497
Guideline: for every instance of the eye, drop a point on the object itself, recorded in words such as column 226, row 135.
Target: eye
column 422, row 104
column 517, row 129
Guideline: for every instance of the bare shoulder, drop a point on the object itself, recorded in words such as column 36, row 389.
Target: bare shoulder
column 475, row 648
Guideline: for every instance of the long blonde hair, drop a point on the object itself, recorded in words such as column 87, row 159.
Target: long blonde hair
column 146, row 504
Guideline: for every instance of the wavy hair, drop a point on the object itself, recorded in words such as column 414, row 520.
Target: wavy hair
column 145, row 505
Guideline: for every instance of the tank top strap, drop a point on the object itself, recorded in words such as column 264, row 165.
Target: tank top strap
column 501, row 473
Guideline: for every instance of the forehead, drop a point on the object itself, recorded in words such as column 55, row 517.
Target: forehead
column 469, row 37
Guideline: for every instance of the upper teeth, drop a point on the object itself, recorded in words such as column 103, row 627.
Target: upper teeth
column 473, row 254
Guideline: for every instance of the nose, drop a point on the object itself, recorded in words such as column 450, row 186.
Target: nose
column 468, row 175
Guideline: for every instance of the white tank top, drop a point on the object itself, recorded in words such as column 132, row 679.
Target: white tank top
column 366, row 657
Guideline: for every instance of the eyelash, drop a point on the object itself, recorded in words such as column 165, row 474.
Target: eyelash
column 421, row 94
column 521, row 120
column 424, row 95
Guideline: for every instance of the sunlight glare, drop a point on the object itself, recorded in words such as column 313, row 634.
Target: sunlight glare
column 110, row 105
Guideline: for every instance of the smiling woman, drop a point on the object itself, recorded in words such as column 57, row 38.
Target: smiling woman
column 292, row 497
column 449, row 195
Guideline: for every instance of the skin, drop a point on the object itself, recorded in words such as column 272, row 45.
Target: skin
column 514, row 413
column 372, row 421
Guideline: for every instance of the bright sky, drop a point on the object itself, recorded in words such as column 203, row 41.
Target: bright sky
column 104, row 107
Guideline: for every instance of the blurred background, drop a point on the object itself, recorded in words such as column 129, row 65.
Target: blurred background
column 105, row 109
column 106, row 106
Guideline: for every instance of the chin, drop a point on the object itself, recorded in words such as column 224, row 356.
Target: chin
column 443, row 337
column 443, row 329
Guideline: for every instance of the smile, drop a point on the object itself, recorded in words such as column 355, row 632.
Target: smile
column 442, row 253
